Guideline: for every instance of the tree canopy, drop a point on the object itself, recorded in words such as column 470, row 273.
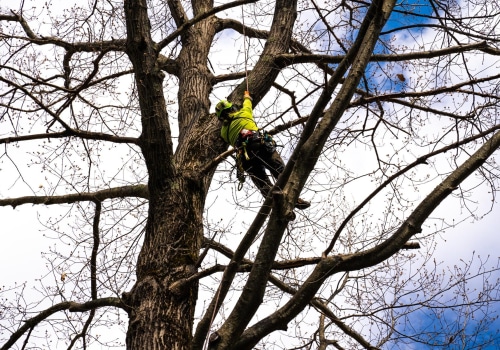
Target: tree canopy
column 386, row 115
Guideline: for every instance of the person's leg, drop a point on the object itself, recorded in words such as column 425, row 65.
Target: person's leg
column 262, row 157
column 273, row 161
column 257, row 172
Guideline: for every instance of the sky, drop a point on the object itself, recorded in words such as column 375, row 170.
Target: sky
column 475, row 241
column 21, row 229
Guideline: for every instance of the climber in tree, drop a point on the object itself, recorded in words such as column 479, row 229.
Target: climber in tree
column 256, row 150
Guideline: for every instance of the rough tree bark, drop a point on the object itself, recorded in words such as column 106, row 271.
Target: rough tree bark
column 161, row 318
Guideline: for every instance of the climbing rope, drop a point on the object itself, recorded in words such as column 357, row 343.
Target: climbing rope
column 244, row 46
column 240, row 175
column 239, row 166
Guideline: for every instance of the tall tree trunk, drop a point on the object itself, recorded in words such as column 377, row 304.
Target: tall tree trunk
column 161, row 317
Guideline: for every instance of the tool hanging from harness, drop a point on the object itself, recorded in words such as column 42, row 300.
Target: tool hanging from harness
column 249, row 140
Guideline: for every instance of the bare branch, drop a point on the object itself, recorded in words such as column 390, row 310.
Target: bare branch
column 67, row 305
column 199, row 18
column 139, row 191
column 86, row 135
column 413, row 223
column 291, row 59
column 419, row 161
column 113, row 45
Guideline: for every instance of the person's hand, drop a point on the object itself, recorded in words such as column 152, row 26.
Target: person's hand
column 247, row 95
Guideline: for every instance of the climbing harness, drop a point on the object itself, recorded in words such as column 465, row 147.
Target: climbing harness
column 245, row 139
column 240, row 172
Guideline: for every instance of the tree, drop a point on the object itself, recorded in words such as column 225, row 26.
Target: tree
column 114, row 104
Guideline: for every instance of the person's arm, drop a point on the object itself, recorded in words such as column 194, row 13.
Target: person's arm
column 247, row 103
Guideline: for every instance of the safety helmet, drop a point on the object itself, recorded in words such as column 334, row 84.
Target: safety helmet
column 222, row 105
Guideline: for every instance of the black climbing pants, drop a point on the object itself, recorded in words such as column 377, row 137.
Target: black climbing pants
column 262, row 155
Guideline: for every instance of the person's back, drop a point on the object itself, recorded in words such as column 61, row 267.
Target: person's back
column 234, row 121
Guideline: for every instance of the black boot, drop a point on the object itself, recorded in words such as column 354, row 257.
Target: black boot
column 302, row 204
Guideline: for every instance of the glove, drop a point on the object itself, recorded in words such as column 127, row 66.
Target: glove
column 247, row 95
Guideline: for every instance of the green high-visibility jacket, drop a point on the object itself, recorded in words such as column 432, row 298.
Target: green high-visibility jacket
column 242, row 119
